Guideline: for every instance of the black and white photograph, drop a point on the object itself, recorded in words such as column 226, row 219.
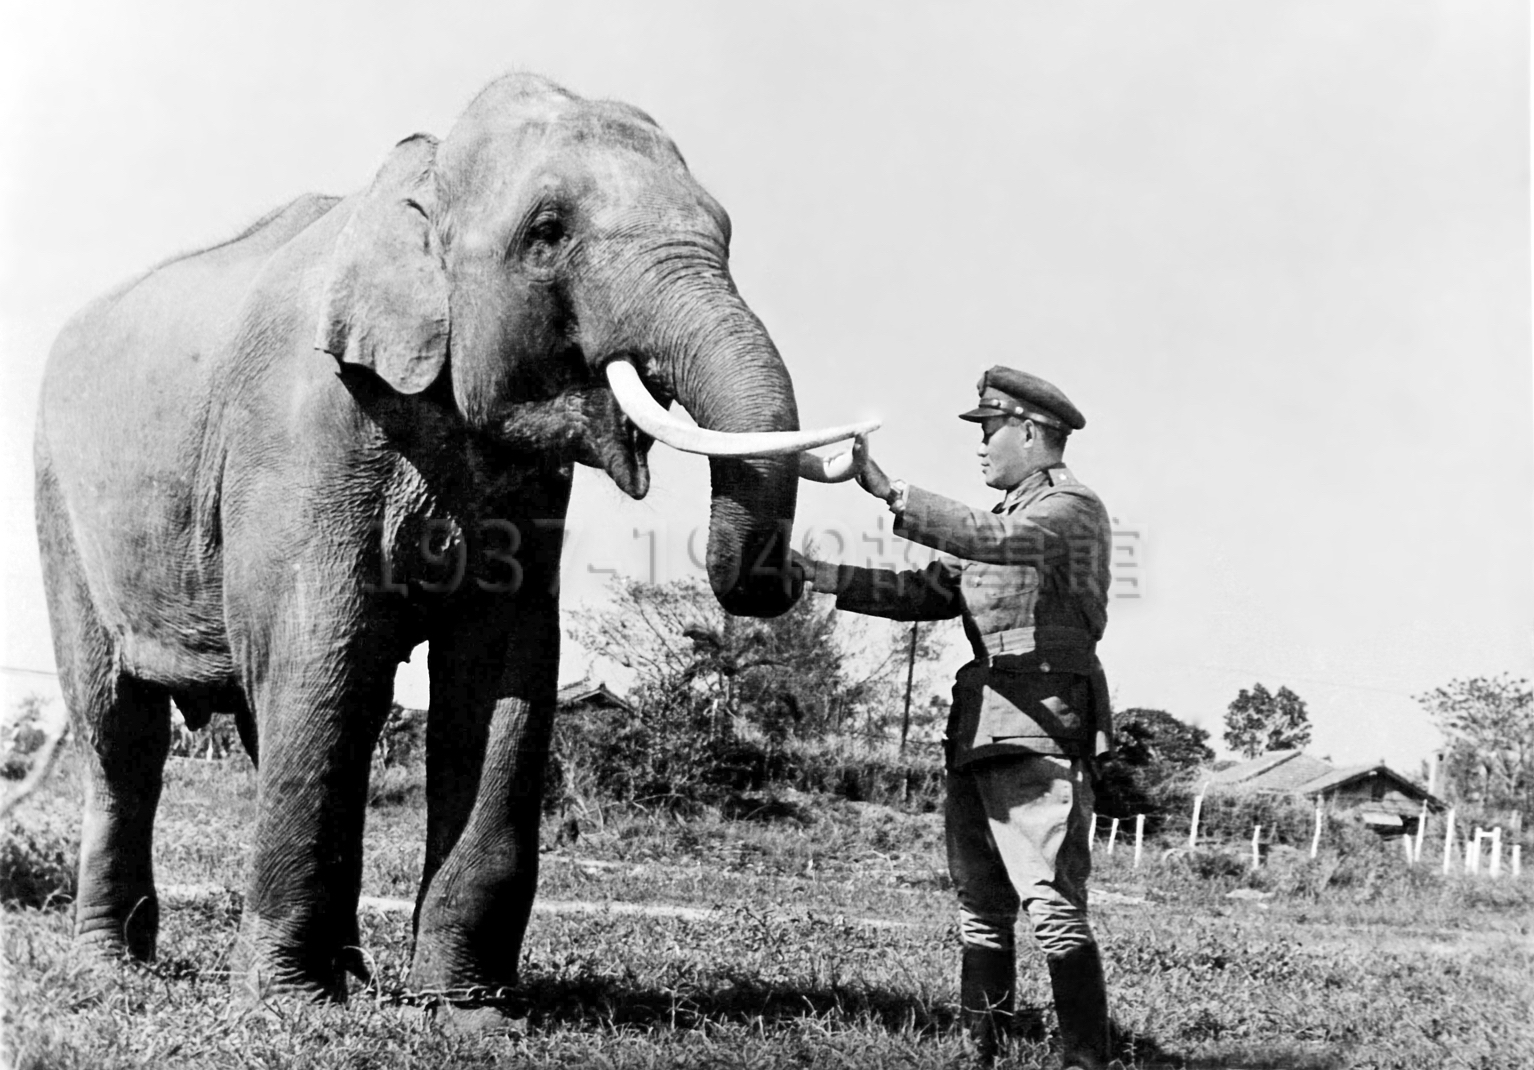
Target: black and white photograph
column 788, row 535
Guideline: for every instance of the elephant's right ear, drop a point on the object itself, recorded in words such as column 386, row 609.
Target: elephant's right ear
column 385, row 304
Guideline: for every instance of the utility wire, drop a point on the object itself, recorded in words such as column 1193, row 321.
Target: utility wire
column 1271, row 673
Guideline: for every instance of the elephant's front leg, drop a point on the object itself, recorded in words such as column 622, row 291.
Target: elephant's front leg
column 492, row 704
column 320, row 707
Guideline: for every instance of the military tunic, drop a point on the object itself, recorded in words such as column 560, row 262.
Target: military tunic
column 1030, row 581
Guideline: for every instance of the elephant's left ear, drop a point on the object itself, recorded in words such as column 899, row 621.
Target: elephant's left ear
column 385, row 304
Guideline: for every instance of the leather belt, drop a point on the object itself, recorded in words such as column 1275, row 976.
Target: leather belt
column 1027, row 640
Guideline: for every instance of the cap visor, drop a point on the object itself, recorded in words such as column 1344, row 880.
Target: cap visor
column 983, row 412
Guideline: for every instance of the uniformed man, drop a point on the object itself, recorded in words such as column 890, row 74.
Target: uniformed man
column 1030, row 713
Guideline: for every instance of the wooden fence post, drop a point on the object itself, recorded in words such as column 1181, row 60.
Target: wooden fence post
column 1517, row 860
column 1198, row 805
column 1315, row 839
column 1448, row 840
column 1421, row 831
column 1140, row 841
column 1473, row 853
column 1256, row 846
column 1113, row 836
column 1092, row 836
column 1496, row 852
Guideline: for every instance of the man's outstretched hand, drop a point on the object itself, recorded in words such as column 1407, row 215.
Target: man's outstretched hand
column 870, row 476
column 804, row 568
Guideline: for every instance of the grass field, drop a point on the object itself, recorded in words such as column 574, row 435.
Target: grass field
column 822, row 939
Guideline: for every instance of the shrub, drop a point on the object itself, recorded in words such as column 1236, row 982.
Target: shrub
column 24, row 742
column 37, row 860
column 24, row 732
column 650, row 759
column 861, row 773
column 1230, row 815
column 217, row 739
column 641, row 757
column 765, row 808
column 1208, row 863
column 402, row 739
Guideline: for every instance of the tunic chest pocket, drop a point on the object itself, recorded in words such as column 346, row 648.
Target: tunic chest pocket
column 1001, row 596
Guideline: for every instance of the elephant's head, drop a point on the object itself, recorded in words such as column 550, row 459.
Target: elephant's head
column 554, row 255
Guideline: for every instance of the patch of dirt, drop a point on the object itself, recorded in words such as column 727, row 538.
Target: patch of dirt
column 196, row 893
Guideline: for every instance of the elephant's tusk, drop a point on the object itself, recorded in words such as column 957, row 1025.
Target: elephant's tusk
column 637, row 404
column 837, row 468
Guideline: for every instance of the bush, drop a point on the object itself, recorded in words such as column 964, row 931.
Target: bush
column 653, row 760
column 860, row 773
column 25, row 731
column 1209, row 864
column 37, row 860
column 1166, row 805
column 18, row 751
column 765, row 808
column 1230, row 815
column 217, row 739
column 643, row 758
column 402, row 739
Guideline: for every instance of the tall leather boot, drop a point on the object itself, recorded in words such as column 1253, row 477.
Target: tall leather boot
column 986, row 982
column 1081, row 1004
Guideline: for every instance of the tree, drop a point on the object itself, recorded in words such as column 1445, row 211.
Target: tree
column 1290, row 726
column 684, row 650
column 1153, row 749
column 1155, row 740
column 1488, row 726
column 888, row 672
column 1257, row 721
column 815, row 669
column 718, row 697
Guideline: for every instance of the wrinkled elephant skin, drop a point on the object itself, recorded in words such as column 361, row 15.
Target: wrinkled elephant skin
column 267, row 470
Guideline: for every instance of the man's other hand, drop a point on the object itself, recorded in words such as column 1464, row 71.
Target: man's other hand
column 870, row 476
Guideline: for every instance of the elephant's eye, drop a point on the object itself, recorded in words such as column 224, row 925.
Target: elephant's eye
column 546, row 230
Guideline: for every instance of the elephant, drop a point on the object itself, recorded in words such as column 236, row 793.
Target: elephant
column 268, row 470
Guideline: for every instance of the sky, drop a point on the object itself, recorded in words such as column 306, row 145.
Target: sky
column 1278, row 254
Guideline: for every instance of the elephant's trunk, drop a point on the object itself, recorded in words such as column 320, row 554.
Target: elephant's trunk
column 726, row 372
column 704, row 347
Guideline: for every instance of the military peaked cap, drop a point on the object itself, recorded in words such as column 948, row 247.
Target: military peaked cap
column 1009, row 392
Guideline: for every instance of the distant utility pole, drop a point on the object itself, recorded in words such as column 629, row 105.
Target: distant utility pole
column 910, row 675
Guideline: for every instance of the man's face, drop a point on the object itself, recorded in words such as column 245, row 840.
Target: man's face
column 1006, row 451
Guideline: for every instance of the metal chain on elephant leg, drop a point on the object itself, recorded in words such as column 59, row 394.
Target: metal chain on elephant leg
column 464, row 997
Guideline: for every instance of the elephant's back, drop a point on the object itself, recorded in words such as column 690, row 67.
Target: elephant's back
column 174, row 317
column 123, row 428
column 186, row 301
column 126, row 390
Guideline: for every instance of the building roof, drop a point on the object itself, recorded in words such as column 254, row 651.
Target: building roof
column 1338, row 778
column 1401, row 791
column 1281, row 770
column 1292, row 772
column 584, row 692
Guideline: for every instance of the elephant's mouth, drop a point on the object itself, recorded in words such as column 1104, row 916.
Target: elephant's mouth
column 612, row 427
column 623, row 453
column 584, row 427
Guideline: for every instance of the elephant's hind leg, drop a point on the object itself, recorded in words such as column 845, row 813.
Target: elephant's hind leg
column 123, row 731
column 116, row 908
